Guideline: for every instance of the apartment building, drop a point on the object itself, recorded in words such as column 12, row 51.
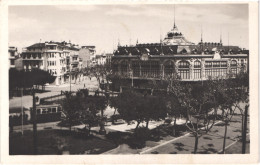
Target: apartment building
column 86, row 53
column 58, row 58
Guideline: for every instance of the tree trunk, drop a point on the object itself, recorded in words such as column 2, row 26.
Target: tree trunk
column 196, row 144
column 174, row 126
column 244, row 131
column 89, row 129
column 242, row 125
column 115, row 111
column 225, row 136
column 70, row 126
column 147, row 123
column 137, row 125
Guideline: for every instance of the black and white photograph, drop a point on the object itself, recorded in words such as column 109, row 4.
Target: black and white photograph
column 130, row 79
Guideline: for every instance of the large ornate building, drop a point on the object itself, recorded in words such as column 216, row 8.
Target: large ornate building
column 175, row 54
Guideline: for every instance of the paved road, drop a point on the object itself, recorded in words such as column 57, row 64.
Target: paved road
column 210, row 143
column 27, row 100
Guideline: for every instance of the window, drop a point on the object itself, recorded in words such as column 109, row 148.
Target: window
column 197, row 70
column 233, row 66
column 197, row 64
column 184, row 69
column 242, row 63
column 38, row 111
column 223, row 63
column 233, row 63
column 44, row 111
column 184, row 64
column 12, row 61
column 49, row 110
column 215, row 68
column 197, row 73
column 53, row 110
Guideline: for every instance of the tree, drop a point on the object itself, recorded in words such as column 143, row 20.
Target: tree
column 230, row 94
column 88, row 112
column 130, row 106
column 141, row 108
column 71, row 106
column 175, row 109
column 154, row 108
column 26, row 79
column 197, row 100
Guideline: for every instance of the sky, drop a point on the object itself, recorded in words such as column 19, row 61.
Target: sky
column 106, row 25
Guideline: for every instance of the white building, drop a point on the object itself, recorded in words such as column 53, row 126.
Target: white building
column 58, row 58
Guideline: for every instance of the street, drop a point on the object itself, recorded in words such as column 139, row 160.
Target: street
column 54, row 90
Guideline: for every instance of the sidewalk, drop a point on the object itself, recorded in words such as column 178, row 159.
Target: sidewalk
column 211, row 143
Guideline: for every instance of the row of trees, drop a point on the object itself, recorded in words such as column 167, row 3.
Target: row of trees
column 201, row 103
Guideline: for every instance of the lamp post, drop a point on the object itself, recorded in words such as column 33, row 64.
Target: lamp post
column 34, row 124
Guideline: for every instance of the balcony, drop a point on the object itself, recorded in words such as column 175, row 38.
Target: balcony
column 74, row 62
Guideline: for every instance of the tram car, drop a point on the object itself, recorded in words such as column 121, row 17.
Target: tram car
column 48, row 113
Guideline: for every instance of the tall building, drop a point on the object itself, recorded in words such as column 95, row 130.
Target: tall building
column 192, row 62
column 86, row 53
column 58, row 58
column 108, row 58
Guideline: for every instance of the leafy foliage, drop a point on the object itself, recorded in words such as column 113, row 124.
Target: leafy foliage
column 20, row 79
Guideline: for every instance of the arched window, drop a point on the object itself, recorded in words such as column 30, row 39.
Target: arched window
column 233, row 66
column 168, row 68
column 184, row 69
column 184, row 51
column 197, row 70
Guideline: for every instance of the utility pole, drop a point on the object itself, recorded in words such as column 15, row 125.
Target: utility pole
column 34, row 124
column 244, row 131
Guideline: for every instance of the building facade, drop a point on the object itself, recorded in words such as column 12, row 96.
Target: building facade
column 13, row 55
column 86, row 53
column 58, row 58
column 175, row 54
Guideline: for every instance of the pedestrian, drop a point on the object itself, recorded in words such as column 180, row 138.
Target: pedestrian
column 84, row 85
